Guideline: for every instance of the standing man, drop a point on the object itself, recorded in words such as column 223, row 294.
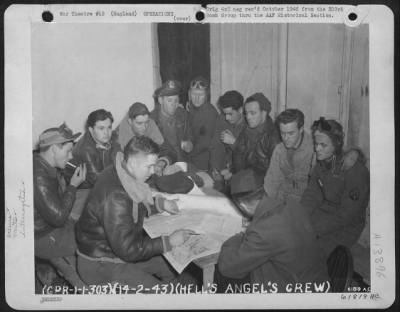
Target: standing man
column 202, row 117
column 138, row 123
column 254, row 146
column 112, row 245
column 291, row 161
column 228, row 126
column 172, row 120
column 53, row 198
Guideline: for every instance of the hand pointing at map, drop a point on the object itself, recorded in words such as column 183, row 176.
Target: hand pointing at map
column 179, row 237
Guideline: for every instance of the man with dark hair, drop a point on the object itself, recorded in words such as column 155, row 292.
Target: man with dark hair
column 202, row 117
column 228, row 127
column 253, row 149
column 112, row 246
column 138, row 123
column 291, row 161
column 172, row 119
column 97, row 147
column 54, row 199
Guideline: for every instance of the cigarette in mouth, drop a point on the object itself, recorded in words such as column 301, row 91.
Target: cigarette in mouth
column 72, row 165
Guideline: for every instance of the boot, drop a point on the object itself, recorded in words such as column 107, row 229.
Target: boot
column 66, row 267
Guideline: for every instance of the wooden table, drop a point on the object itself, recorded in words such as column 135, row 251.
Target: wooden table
column 207, row 264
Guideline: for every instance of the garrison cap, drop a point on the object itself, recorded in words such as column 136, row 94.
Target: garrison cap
column 59, row 135
column 169, row 88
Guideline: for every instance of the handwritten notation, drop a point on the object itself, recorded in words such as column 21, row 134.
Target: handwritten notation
column 15, row 217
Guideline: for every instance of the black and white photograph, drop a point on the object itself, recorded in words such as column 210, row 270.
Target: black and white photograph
column 229, row 161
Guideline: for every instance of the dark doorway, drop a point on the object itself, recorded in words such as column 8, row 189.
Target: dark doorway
column 184, row 53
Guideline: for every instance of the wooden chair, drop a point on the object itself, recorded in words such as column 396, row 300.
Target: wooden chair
column 340, row 269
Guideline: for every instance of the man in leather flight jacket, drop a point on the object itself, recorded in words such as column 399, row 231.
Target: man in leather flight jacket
column 254, row 146
column 53, row 198
column 112, row 246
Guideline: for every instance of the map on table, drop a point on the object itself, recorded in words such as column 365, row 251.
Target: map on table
column 215, row 219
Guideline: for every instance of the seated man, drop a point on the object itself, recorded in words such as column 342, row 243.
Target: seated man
column 277, row 251
column 228, row 127
column 337, row 195
column 112, row 246
column 255, row 144
column 96, row 149
column 202, row 116
column 138, row 123
column 172, row 120
column 291, row 161
column 53, row 199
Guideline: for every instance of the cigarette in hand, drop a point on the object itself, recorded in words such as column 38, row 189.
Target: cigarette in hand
column 72, row 165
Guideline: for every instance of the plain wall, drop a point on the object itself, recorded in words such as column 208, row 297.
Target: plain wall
column 78, row 68
column 243, row 59
column 314, row 74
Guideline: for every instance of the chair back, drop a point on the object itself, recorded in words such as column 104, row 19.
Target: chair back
column 340, row 269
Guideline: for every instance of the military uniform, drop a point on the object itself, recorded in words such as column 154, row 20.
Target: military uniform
column 124, row 132
column 220, row 153
column 202, row 121
column 337, row 200
column 96, row 156
column 254, row 147
column 53, row 200
column 289, row 170
column 278, row 247
column 112, row 246
column 176, row 128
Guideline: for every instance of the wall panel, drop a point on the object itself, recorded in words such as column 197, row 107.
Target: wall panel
column 77, row 68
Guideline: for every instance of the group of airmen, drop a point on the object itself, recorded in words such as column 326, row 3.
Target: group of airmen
column 91, row 197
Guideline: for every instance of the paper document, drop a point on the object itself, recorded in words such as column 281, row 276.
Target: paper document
column 215, row 204
column 214, row 218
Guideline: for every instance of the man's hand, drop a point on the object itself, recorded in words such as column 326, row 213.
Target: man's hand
column 187, row 146
column 79, row 175
column 159, row 167
column 245, row 223
column 171, row 206
column 227, row 137
column 179, row 237
column 216, row 175
column 226, row 174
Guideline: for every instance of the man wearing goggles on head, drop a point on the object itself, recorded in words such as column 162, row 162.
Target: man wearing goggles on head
column 202, row 117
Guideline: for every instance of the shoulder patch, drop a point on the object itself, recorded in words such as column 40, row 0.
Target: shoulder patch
column 354, row 194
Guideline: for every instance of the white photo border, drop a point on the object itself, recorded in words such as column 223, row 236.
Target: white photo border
column 19, row 278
